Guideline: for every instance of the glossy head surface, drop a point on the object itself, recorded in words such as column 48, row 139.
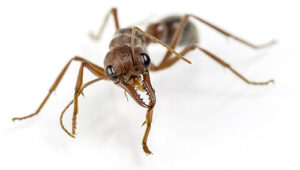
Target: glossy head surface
column 130, row 71
column 124, row 64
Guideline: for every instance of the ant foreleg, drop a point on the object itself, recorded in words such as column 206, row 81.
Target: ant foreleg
column 71, row 102
column 96, row 70
column 147, row 131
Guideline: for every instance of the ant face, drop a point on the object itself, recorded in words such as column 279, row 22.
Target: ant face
column 131, row 72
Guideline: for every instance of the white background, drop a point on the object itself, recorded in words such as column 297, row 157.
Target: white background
column 205, row 117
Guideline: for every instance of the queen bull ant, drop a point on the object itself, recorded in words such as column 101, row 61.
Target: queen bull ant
column 127, row 64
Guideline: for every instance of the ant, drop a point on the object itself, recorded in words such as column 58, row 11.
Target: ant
column 128, row 65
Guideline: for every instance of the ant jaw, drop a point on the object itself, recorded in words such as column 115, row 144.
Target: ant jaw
column 148, row 87
column 130, row 88
column 133, row 93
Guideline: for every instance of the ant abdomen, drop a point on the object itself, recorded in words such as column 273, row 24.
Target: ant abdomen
column 189, row 34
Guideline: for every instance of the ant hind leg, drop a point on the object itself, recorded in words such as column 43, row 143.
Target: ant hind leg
column 180, row 28
column 227, row 34
column 189, row 48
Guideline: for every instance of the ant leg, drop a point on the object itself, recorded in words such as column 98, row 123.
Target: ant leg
column 180, row 28
column 53, row 87
column 91, row 67
column 113, row 11
column 189, row 48
column 175, row 37
column 148, row 127
column 81, row 91
column 96, row 70
column 232, row 36
column 76, row 94
column 150, row 110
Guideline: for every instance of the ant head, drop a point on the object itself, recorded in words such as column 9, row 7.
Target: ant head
column 121, row 65
column 130, row 71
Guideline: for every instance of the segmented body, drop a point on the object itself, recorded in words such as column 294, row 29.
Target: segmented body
column 120, row 45
column 189, row 34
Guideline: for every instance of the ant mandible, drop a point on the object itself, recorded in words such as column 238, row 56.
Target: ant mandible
column 127, row 64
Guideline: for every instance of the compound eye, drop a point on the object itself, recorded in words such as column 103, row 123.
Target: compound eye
column 111, row 73
column 145, row 59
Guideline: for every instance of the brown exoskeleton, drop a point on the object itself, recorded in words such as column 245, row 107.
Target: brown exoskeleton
column 127, row 64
